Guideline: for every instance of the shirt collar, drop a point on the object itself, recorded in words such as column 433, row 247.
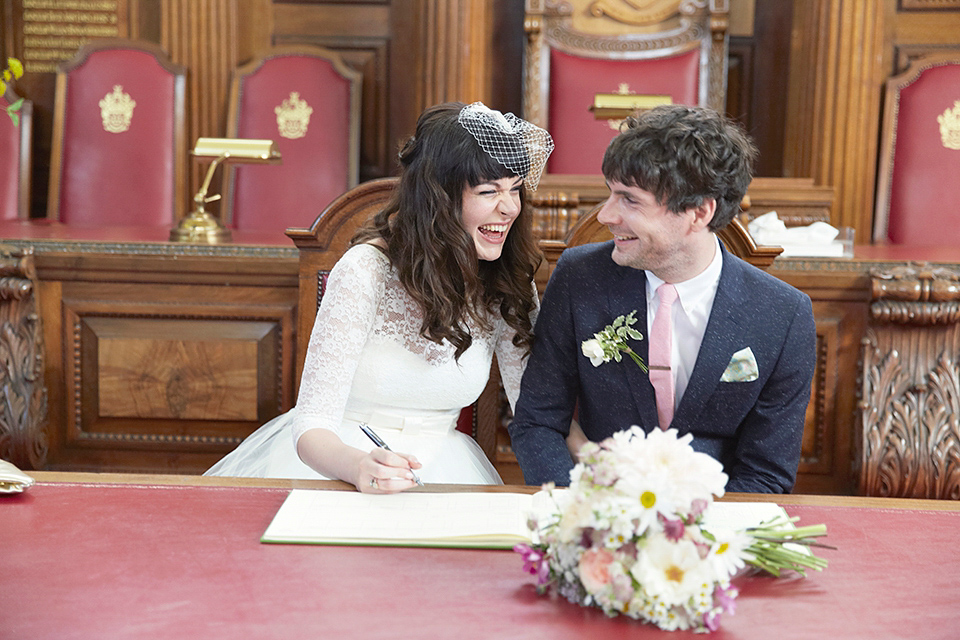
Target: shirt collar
column 694, row 291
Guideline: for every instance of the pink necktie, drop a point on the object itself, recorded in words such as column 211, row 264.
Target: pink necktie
column 661, row 345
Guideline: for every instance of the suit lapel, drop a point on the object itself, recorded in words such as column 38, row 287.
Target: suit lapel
column 723, row 336
column 628, row 293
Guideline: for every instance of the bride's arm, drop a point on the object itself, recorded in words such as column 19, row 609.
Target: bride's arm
column 512, row 362
column 344, row 322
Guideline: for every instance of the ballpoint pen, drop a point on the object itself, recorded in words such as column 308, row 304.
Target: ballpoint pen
column 370, row 433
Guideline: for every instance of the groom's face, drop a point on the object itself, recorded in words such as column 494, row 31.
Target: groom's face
column 646, row 235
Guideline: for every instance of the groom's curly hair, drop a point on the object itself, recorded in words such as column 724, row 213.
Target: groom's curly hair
column 683, row 156
column 436, row 259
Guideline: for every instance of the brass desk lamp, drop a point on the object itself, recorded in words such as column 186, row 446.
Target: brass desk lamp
column 200, row 226
column 617, row 106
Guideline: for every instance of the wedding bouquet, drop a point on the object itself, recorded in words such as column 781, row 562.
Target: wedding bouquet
column 629, row 535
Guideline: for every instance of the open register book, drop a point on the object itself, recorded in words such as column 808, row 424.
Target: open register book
column 415, row 519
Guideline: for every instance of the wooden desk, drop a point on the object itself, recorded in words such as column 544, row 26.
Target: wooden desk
column 160, row 356
column 105, row 556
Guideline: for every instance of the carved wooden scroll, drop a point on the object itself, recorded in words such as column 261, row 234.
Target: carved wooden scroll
column 23, row 395
column 910, row 402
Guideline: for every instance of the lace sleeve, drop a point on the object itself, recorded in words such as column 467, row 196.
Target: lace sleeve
column 344, row 322
column 510, row 359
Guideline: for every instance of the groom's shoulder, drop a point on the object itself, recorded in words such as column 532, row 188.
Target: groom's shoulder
column 593, row 255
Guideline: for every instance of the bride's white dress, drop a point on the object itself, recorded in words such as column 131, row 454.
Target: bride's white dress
column 366, row 362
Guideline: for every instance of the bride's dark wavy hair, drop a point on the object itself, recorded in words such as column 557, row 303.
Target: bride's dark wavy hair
column 435, row 257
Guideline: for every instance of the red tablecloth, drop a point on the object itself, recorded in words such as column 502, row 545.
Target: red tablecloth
column 125, row 561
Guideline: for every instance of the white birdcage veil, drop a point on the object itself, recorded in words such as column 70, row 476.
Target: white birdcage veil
column 515, row 143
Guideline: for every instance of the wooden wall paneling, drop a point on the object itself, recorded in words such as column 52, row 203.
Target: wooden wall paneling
column 202, row 35
column 917, row 33
column 842, row 97
column 769, row 83
column 739, row 80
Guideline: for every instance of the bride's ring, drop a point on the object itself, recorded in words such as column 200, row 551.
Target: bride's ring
column 374, row 483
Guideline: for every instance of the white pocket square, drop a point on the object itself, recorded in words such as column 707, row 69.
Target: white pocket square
column 742, row 367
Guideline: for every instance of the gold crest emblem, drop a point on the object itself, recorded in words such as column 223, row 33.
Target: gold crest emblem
column 116, row 109
column 293, row 117
column 950, row 127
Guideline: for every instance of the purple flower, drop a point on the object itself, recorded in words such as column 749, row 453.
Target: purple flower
column 672, row 529
column 534, row 563
column 724, row 600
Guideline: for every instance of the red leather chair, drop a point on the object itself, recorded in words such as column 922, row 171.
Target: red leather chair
column 579, row 48
column 307, row 100
column 15, row 159
column 118, row 154
column 918, row 192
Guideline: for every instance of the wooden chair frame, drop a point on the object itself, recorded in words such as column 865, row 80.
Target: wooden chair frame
column 179, row 185
column 888, row 135
column 24, row 168
column 734, row 236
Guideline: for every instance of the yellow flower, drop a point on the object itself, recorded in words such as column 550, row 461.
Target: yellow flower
column 16, row 67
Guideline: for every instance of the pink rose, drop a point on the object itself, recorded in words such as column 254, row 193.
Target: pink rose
column 595, row 569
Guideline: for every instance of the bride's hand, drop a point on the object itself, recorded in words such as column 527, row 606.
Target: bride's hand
column 576, row 439
column 383, row 471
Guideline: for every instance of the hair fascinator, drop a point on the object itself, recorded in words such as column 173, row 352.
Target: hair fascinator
column 515, row 143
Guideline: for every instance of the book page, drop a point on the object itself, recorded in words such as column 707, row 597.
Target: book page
column 441, row 519
column 740, row 515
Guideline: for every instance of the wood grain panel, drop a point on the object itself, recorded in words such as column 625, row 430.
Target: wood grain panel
column 178, row 369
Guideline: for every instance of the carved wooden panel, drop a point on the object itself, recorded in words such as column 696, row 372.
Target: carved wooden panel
column 910, row 409
column 23, row 410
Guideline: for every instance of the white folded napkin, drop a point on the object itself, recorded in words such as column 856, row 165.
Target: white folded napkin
column 12, row 480
column 816, row 239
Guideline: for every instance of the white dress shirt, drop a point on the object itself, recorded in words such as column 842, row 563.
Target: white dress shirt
column 691, row 312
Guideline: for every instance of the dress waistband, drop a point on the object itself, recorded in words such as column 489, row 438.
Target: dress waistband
column 408, row 425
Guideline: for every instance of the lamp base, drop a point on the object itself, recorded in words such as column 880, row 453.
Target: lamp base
column 200, row 227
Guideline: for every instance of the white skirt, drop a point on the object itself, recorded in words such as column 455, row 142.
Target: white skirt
column 448, row 456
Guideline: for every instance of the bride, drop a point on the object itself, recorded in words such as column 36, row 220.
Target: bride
column 433, row 287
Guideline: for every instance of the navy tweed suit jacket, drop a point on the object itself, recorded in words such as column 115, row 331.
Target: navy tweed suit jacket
column 754, row 429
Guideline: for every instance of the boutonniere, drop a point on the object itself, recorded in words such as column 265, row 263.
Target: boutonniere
column 612, row 341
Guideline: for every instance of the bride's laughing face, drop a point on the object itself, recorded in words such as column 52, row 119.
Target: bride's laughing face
column 489, row 210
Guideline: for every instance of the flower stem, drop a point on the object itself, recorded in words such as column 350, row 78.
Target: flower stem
column 636, row 358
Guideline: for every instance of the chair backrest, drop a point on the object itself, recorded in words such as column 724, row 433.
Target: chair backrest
column 307, row 100
column 918, row 191
column 15, row 140
column 577, row 49
column 118, row 155
column 734, row 236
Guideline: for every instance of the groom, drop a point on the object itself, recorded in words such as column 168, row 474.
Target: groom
column 732, row 356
